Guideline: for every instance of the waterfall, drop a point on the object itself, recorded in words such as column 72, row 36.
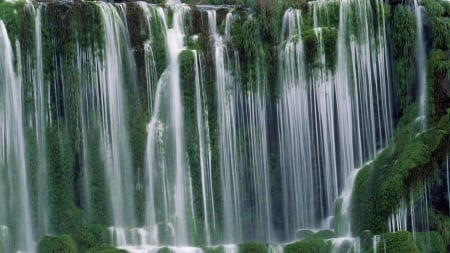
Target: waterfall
column 317, row 156
column 40, row 124
column 166, row 167
column 14, row 189
column 175, row 39
column 227, row 123
column 241, row 108
column 205, row 153
column 421, row 60
column 103, row 116
column 5, row 239
column 215, row 154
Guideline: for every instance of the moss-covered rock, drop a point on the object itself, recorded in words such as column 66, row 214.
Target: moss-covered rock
column 106, row 250
column 164, row 250
column 396, row 173
column 218, row 249
column 309, row 246
column 91, row 236
column 57, row 244
column 253, row 247
column 399, row 242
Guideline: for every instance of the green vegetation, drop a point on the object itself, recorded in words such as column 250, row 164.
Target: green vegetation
column 106, row 250
column 58, row 244
column 311, row 44
column 441, row 224
column 403, row 31
column 431, row 242
column 191, row 137
column 11, row 15
column 164, row 250
column 399, row 242
column 252, row 247
column 379, row 187
column 309, row 246
column 438, row 72
column 398, row 170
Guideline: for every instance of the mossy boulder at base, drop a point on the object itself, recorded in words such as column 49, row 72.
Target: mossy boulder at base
column 309, row 246
column 253, row 247
column 106, row 250
column 91, row 236
column 217, row 249
column 400, row 242
column 164, row 250
column 57, row 244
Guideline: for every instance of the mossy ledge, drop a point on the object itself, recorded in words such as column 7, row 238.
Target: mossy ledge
column 398, row 171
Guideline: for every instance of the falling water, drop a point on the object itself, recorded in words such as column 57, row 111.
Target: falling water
column 227, row 123
column 12, row 146
column 234, row 109
column 398, row 221
column 40, row 124
column 113, row 131
column 167, row 175
column 175, row 44
column 209, row 212
column 421, row 66
column 357, row 94
column 328, row 122
column 5, row 239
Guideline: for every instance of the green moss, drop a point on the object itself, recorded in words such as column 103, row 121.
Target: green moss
column 441, row 32
column 441, row 223
column 253, row 247
column 219, row 249
column 311, row 45
column 58, row 244
column 90, row 236
column 11, row 15
column 438, row 71
column 106, row 250
column 400, row 242
column 399, row 170
column 323, row 234
column 164, row 250
column 430, row 242
column 329, row 37
column 309, row 246
column 434, row 7
column 403, row 26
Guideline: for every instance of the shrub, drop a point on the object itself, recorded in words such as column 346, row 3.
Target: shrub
column 58, row 244
column 309, row 246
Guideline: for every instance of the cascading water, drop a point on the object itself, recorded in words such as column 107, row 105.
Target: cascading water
column 167, row 175
column 312, row 175
column 331, row 114
column 236, row 108
column 14, row 193
column 40, row 118
column 420, row 66
column 103, row 119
